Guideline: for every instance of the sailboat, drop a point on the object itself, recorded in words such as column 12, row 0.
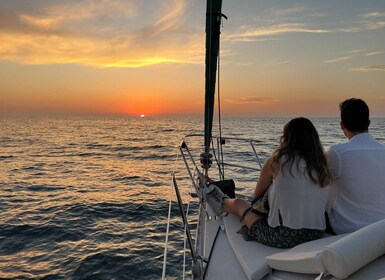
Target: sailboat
column 217, row 250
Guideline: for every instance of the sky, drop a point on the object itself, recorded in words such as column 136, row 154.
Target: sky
column 278, row 58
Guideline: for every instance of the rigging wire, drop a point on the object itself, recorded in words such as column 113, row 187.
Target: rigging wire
column 185, row 239
column 167, row 234
column 168, row 226
column 185, row 235
column 208, row 84
column 222, row 167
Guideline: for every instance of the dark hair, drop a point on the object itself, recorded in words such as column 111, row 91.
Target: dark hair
column 300, row 138
column 355, row 115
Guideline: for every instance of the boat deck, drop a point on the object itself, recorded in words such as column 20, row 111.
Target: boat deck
column 234, row 258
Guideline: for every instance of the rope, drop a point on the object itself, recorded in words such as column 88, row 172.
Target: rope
column 216, row 159
column 211, row 251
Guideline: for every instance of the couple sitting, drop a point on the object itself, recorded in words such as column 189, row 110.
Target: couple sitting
column 301, row 182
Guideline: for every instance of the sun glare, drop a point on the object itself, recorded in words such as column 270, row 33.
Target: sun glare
column 142, row 115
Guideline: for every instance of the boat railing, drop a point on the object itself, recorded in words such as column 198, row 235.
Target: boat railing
column 218, row 144
column 189, row 150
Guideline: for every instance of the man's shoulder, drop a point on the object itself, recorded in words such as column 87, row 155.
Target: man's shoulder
column 360, row 142
column 340, row 147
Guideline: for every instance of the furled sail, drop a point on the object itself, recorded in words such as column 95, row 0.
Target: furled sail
column 213, row 22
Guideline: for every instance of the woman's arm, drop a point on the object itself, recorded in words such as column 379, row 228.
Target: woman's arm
column 265, row 178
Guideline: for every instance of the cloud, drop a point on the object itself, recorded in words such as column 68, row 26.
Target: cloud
column 276, row 63
column 338, row 59
column 289, row 11
column 357, row 51
column 375, row 53
column 171, row 16
column 251, row 100
column 285, row 28
column 368, row 68
column 375, row 25
column 105, row 33
column 286, row 25
column 248, row 39
column 40, row 23
column 278, row 29
column 374, row 15
column 374, row 20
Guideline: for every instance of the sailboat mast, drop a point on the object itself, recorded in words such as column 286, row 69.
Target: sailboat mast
column 213, row 22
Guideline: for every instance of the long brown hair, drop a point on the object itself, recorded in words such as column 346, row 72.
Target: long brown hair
column 300, row 138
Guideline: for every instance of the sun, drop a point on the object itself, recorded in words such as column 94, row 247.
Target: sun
column 142, row 115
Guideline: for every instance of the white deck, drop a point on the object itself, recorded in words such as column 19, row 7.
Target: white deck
column 233, row 257
column 219, row 267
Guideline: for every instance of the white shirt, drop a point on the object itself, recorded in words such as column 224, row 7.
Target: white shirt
column 357, row 193
column 300, row 202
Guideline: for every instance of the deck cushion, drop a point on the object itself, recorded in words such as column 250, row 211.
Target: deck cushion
column 374, row 270
column 304, row 258
column 354, row 251
column 250, row 254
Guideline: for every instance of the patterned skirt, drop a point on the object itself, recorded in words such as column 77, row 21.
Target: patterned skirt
column 281, row 236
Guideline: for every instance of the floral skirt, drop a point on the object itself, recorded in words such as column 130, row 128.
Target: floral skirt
column 281, row 236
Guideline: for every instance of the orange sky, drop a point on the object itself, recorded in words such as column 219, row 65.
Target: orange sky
column 135, row 57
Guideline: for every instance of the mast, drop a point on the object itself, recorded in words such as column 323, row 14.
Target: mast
column 213, row 22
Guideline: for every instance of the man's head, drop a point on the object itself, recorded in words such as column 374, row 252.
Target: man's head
column 354, row 115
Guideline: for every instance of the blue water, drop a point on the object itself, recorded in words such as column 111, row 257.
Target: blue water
column 87, row 197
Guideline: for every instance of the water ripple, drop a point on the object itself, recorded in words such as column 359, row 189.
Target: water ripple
column 87, row 197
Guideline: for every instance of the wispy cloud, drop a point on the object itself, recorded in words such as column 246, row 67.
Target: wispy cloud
column 171, row 16
column 297, row 9
column 374, row 15
column 338, row 59
column 368, row 68
column 375, row 53
column 102, row 34
column 298, row 23
column 279, row 29
column 244, row 63
column 276, row 63
column 374, row 20
column 233, row 38
column 50, row 23
column 356, row 51
column 251, row 100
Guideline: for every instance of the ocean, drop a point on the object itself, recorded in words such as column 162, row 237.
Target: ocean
column 88, row 197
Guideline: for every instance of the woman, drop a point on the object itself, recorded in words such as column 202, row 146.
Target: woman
column 295, row 178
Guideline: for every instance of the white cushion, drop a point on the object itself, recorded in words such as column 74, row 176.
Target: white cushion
column 304, row 258
column 250, row 254
column 373, row 270
column 354, row 251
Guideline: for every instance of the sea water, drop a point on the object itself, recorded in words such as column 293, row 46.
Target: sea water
column 87, row 197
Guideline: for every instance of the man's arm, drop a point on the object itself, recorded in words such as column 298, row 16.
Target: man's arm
column 334, row 163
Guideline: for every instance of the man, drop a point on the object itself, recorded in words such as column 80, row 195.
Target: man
column 357, row 193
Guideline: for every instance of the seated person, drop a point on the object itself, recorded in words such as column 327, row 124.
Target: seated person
column 357, row 192
column 295, row 178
